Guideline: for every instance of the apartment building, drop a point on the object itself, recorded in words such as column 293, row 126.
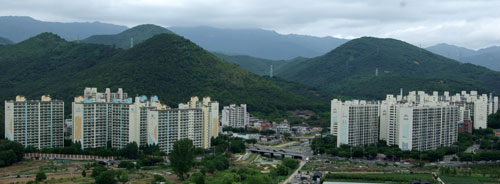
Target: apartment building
column 427, row 127
column 357, row 122
column 110, row 119
column 235, row 116
column 38, row 123
column 195, row 120
column 166, row 126
column 210, row 110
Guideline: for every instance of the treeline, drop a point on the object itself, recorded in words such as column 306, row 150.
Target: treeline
column 130, row 151
column 328, row 145
column 489, row 144
column 10, row 152
column 249, row 130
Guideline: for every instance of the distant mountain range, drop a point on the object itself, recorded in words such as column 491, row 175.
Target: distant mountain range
column 19, row 28
column 259, row 66
column 371, row 67
column 258, row 42
column 5, row 41
column 487, row 57
column 127, row 38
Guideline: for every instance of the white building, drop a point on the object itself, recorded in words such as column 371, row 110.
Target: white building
column 210, row 111
column 112, row 119
column 166, row 126
column 356, row 121
column 426, row 127
column 235, row 116
column 39, row 123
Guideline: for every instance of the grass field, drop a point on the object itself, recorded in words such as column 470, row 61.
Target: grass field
column 468, row 180
column 380, row 178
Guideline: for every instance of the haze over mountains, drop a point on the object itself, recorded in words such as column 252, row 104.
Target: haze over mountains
column 17, row 28
column 258, row 42
column 487, row 57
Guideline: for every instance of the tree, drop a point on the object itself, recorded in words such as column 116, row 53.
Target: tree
column 158, row 179
column 84, row 173
column 282, row 170
column 182, row 157
column 40, row 176
column 290, row 163
column 124, row 177
column 98, row 169
column 131, row 151
column 106, row 177
column 252, row 141
column 198, row 178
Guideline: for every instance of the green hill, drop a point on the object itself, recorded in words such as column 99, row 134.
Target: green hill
column 166, row 65
column 5, row 41
column 123, row 40
column 350, row 70
column 259, row 66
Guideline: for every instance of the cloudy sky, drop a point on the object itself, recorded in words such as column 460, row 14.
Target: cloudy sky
column 469, row 23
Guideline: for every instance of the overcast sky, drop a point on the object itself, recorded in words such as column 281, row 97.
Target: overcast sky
column 469, row 23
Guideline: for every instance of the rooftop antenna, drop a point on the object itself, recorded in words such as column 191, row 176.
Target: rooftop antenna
column 271, row 72
column 131, row 42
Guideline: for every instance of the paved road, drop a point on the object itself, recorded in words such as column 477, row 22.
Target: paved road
column 472, row 148
column 294, row 173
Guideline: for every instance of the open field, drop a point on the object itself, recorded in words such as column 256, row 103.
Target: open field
column 380, row 178
column 468, row 180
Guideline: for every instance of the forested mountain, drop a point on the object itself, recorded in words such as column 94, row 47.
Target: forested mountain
column 5, row 41
column 259, row 66
column 136, row 35
column 166, row 65
column 487, row 57
column 258, row 42
column 18, row 28
column 371, row 67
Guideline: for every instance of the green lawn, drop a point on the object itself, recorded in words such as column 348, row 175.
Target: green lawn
column 380, row 178
column 468, row 180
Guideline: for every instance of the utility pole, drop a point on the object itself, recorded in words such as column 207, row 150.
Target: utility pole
column 271, row 72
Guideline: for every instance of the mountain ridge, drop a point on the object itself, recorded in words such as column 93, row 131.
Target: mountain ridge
column 123, row 40
column 371, row 67
column 23, row 27
column 258, row 43
column 488, row 57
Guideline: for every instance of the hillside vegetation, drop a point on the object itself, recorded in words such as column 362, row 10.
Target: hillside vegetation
column 259, row 66
column 351, row 70
column 123, row 40
column 166, row 65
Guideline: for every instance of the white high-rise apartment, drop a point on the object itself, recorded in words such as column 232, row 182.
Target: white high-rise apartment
column 195, row 120
column 110, row 119
column 426, row 127
column 210, row 110
column 357, row 122
column 39, row 123
column 235, row 116
column 166, row 126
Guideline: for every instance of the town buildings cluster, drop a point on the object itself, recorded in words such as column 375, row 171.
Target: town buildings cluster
column 111, row 119
column 418, row 121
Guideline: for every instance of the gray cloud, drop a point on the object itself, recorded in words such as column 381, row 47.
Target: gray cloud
column 470, row 23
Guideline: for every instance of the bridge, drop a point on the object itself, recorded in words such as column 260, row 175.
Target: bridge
column 276, row 151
